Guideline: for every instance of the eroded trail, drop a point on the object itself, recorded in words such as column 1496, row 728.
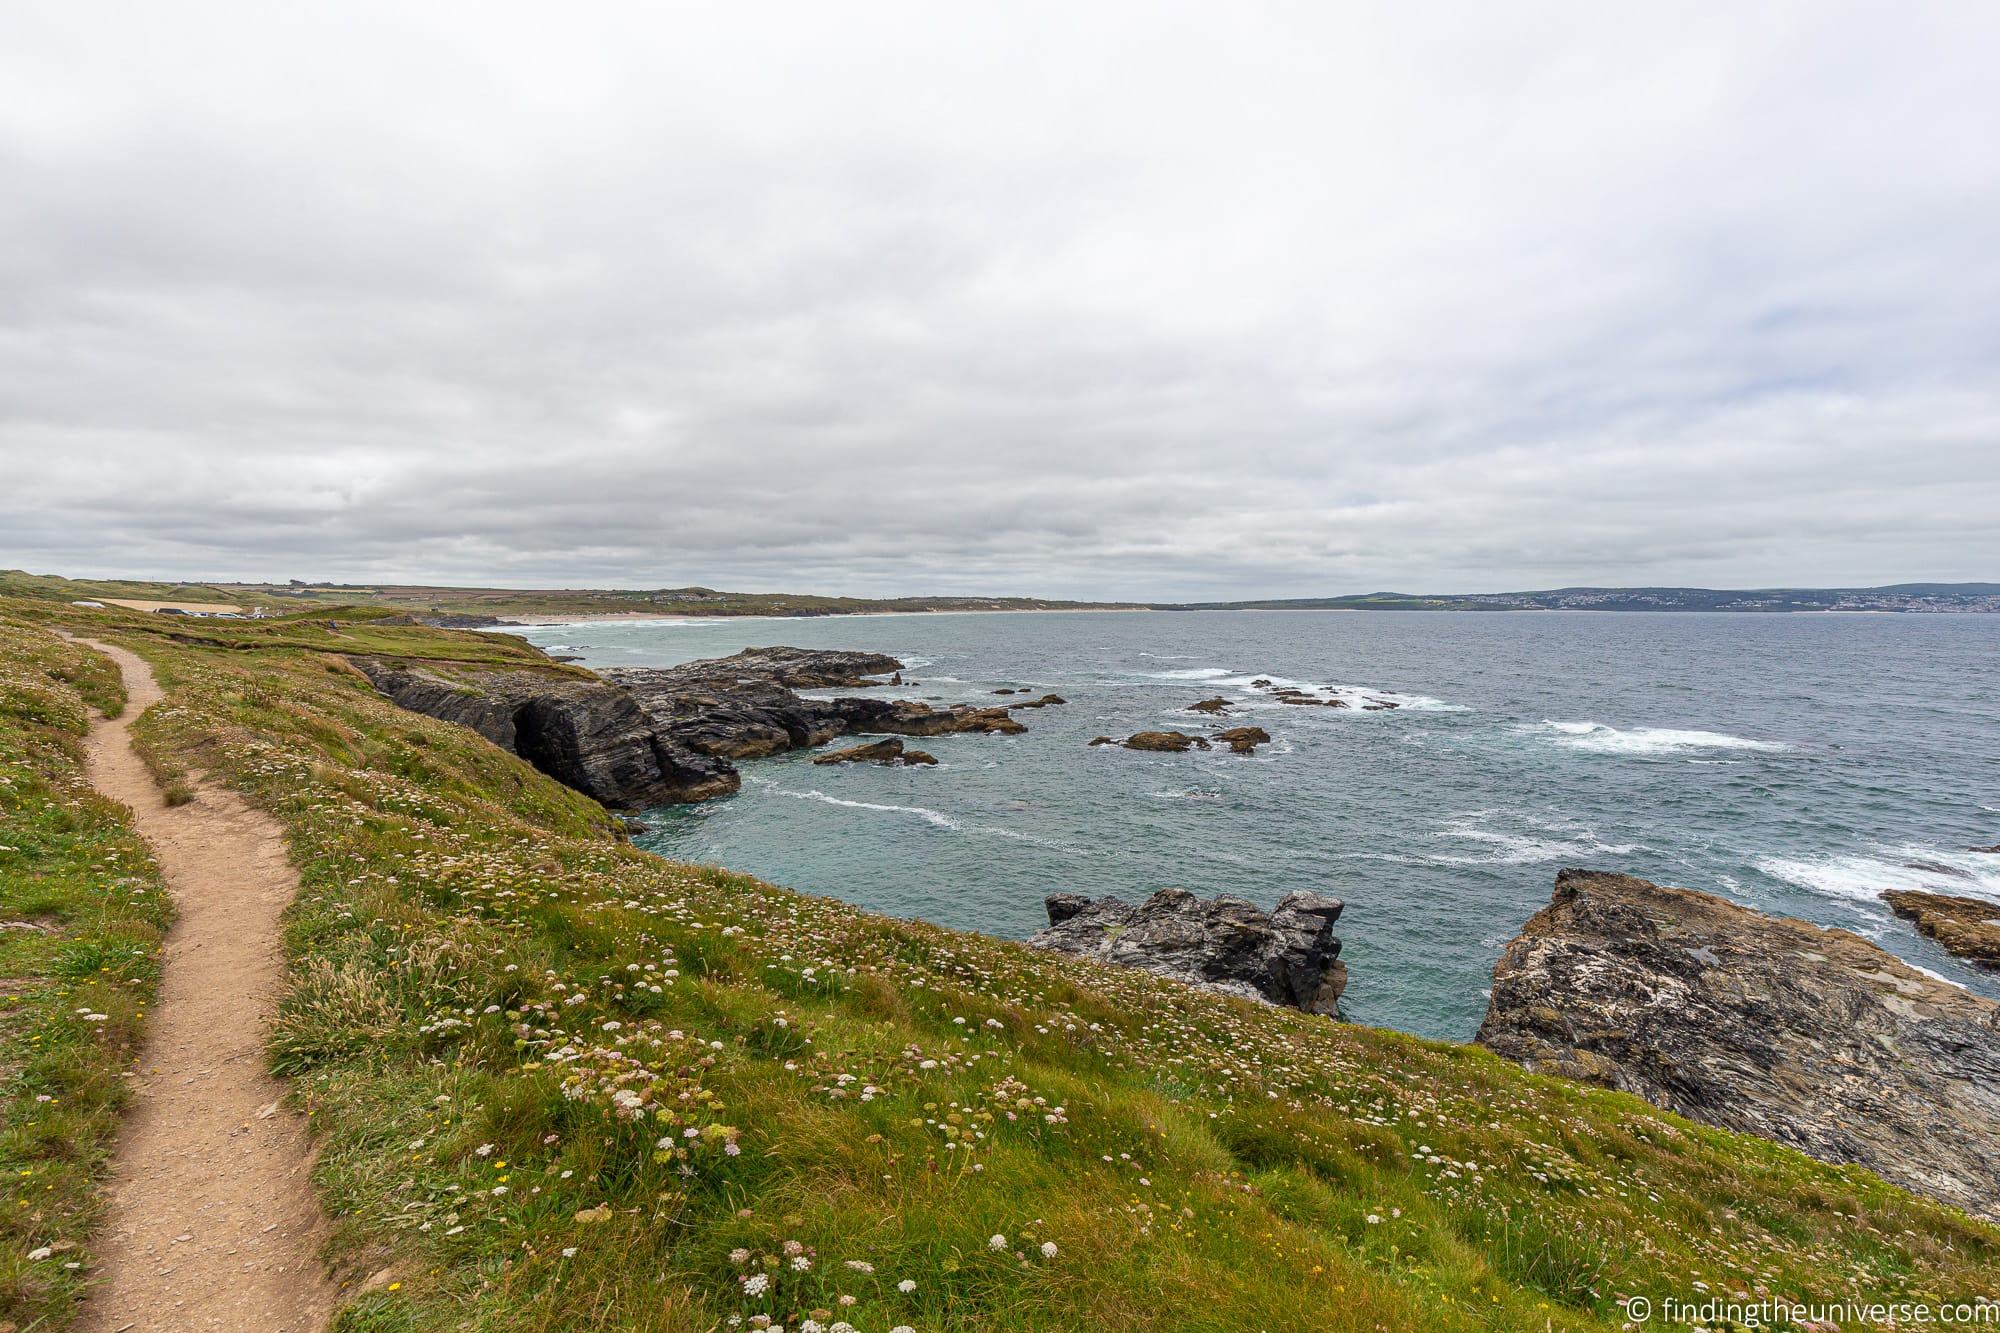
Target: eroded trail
column 213, row 1223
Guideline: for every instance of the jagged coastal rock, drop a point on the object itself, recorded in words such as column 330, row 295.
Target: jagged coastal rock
column 1243, row 740
column 1812, row 1037
column 1289, row 956
column 647, row 736
column 1968, row 927
column 1216, row 705
column 890, row 751
column 583, row 732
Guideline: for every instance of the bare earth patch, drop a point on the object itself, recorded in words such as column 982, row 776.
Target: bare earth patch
column 212, row 1222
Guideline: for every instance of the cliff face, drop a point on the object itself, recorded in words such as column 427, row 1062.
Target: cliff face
column 1289, row 956
column 586, row 734
column 1812, row 1037
column 659, row 736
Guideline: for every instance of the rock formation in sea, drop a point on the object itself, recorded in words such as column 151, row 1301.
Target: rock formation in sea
column 1216, row 705
column 1243, row 740
column 1172, row 742
column 1968, row 927
column 656, row 736
column 1813, row 1037
column 890, row 751
column 1289, row 956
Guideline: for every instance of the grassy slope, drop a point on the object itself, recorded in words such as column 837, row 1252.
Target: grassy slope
column 83, row 912
column 564, row 1085
column 510, row 601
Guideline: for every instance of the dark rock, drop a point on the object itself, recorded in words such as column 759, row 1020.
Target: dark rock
column 1289, row 956
column 1812, row 1037
column 1102, row 740
column 879, row 752
column 876, row 752
column 584, row 732
column 1216, row 705
column 1062, row 906
column 1261, row 683
column 660, row 736
column 1243, row 740
column 793, row 668
column 1174, row 742
column 1968, row 927
column 1378, row 705
column 1042, row 702
column 1994, row 850
column 444, row 620
column 1006, row 691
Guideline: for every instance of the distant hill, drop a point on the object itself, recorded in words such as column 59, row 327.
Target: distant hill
column 296, row 595
column 1899, row 597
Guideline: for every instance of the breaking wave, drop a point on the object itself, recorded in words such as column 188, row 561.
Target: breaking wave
column 1597, row 738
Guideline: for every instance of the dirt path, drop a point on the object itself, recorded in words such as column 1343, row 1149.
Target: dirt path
column 213, row 1223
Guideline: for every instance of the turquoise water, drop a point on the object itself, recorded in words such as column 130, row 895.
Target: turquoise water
column 1798, row 764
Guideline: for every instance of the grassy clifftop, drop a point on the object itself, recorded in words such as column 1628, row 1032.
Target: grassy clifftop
column 81, row 915
column 562, row 1084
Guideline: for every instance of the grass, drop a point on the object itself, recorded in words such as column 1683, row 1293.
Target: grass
column 82, row 912
column 562, row 1084
column 318, row 599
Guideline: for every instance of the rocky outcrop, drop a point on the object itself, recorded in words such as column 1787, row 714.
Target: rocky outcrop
column 1171, row 742
column 584, row 732
column 1968, row 927
column 1243, row 740
column 1289, row 956
column 444, row 620
column 1216, row 705
column 1812, row 1037
column 1042, row 702
column 647, row 736
column 878, row 752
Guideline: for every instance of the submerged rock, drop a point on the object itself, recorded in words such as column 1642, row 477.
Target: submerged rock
column 1042, row 702
column 1968, row 927
column 1216, row 705
column 1812, row 1037
column 1289, row 956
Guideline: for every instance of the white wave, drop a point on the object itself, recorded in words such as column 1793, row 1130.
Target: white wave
column 1598, row 738
column 1192, row 673
column 1863, row 878
column 1358, row 695
column 1540, row 841
column 928, row 816
column 1191, row 795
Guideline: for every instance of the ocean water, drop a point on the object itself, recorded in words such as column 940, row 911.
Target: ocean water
column 1798, row 764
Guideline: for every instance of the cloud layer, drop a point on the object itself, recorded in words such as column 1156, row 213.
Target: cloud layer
column 1146, row 300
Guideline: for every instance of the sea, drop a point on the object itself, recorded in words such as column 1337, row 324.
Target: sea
column 1796, row 763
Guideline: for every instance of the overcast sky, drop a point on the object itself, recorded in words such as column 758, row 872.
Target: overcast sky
column 1071, row 299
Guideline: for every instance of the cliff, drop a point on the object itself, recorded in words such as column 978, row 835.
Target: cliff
column 660, row 736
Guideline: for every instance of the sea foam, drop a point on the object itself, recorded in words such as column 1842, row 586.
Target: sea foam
column 1597, row 738
column 1864, row 877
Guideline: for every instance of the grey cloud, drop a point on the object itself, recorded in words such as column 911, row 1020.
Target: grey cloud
column 1075, row 300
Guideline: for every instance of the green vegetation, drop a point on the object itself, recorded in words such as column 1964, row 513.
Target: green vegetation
column 81, row 916
column 318, row 599
column 561, row 1084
